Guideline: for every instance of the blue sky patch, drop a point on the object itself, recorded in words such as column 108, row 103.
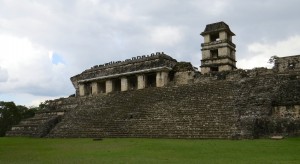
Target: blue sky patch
column 56, row 58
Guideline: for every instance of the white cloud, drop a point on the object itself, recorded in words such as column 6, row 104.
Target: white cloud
column 3, row 75
column 212, row 7
column 25, row 98
column 166, row 35
column 29, row 68
column 109, row 10
column 21, row 59
column 260, row 53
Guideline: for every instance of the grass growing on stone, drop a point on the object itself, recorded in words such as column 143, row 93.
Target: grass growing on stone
column 131, row 150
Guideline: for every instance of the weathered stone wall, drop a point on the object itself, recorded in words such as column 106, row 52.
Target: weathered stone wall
column 119, row 67
column 183, row 73
column 287, row 64
column 186, row 77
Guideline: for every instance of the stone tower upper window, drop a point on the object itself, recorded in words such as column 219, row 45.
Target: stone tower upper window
column 214, row 53
column 214, row 37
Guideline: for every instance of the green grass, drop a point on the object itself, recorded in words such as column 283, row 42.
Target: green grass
column 130, row 150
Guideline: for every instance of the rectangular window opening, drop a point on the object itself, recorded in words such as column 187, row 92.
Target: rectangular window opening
column 214, row 37
column 151, row 80
column 101, row 87
column 132, row 83
column 116, row 85
column 214, row 53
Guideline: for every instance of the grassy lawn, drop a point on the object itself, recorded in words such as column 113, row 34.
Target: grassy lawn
column 130, row 150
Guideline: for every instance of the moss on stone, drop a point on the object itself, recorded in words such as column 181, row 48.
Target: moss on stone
column 183, row 66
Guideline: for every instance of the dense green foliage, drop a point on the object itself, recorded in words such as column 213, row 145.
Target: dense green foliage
column 11, row 114
column 130, row 150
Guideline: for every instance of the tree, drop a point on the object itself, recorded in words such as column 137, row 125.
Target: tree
column 11, row 114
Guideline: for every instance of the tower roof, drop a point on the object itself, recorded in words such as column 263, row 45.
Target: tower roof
column 216, row 27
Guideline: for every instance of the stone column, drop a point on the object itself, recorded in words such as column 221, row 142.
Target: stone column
column 124, row 84
column 94, row 88
column 82, row 90
column 206, row 38
column 108, row 86
column 141, row 80
column 162, row 78
column 223, row 35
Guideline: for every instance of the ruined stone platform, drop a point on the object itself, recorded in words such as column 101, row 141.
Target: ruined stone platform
column 236, row 105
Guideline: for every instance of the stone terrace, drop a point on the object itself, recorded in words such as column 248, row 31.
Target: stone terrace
column 43, row 121
column 189, row 111
column 225, row 108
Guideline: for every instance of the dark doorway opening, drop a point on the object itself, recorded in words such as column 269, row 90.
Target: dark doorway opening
column 116, row 85
column 132, row 83
column 88, row 89
column 151, row 80
column 214, row 53
column 101, row 87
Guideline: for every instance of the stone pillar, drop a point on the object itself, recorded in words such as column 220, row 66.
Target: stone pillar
column 206, row 54
column 82, row 90
column 108, row 86
column 124, row 84
column 206, row 39
column 141, row 82
column 162, row 78
column 223, row 35
column 94, row 88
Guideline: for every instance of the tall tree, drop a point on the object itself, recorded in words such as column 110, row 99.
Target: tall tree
column 10, row 114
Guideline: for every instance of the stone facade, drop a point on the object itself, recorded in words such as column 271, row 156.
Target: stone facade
column 157, row 97
column 287, row 64
column 136, row 73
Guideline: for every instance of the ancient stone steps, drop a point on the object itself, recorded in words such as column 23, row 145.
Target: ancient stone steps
column 35, row 127
column 218, row 109
column 198, row 110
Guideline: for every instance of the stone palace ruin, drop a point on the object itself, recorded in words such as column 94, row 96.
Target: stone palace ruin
column 155, row 96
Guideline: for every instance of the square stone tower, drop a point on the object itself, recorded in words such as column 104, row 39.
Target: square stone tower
column 218, row 51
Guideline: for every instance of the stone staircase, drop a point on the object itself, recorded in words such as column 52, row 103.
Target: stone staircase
column 188, row 111
column 43, row 121
column 38, row 126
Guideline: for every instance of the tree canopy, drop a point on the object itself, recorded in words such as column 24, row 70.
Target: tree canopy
column 11, row 114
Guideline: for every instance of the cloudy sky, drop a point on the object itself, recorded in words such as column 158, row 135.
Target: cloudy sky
column 43, row 43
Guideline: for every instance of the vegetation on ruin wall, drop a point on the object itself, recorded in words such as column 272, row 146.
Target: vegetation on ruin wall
column 11, row 114
column 129, row 150
column 183, row 66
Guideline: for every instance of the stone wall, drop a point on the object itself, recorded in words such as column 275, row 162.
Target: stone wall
column 287, row 64
column 183, row 73
column 118, row 68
